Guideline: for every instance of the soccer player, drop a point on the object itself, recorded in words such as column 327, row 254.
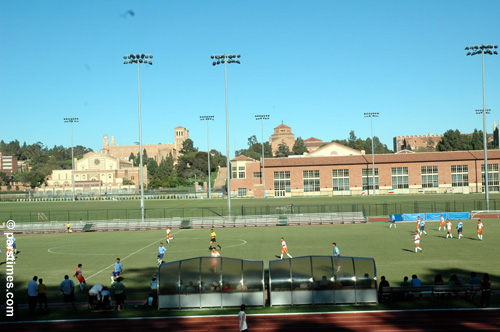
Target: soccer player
column 441, row 223
column 213, row 240
column 284, row 249
column 161, row 253
column 118, row 270
column 416, row 240
column 422, row 227
column 214, row 254
column 418, row 225
column 460, row 225
column 448, row 229
column 169, row 235
column 336, row 251
column 79, row 276
column 68, row 227
column 480, row 230
column 393, row 221
column 14, row 247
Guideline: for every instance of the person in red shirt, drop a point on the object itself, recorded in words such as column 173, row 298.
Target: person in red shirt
column 79, row 275
column 480, row 227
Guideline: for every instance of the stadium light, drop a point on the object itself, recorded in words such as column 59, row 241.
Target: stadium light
column 70, row 121
column 491, row 50
column 372, row 115
column 138, row 59
column 262, row 118
column 217, row 60
column 208, row 118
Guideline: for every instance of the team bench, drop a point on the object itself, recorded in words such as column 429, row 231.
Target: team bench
column 467, row 291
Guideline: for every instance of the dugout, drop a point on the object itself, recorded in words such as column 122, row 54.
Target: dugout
column 323, row 280
column 206, row 282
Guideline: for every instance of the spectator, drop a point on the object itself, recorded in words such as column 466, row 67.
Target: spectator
column 438, row 279
column 154, row 291
column 190, row 287
column 383, row 283
column 455, row 281
column 485, row 291
column 119, row 289
column 67, row 287
column 95, row 294
column 474, row 280
column 42, row 296
column 405, row 282
column 105, row 298
column 32, row 294
column 415, row 282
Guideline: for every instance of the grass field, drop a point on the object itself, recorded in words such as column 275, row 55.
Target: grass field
column 51, row 256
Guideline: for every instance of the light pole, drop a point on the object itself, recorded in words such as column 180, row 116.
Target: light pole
column 208, row 118
column 372, row 115
column 71, row 120
column 473, row 50
column 262, row 118
column 130, row 59
column 217, row 60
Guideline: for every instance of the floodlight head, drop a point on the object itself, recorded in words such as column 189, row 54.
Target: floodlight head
column 495, row 52
column 137, row 56
column 125, row 57
column 125, row 62
column 131, row 56
column 142, row 56
column 239, row 56
column 150, row 62
column 211, row 57
column 218, row 62
column 238, row 61
column 467, row 48
column 214, row 63
column 150, row 56
column 468, row 53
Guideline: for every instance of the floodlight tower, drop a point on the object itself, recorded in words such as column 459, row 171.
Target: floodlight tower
column 372, row 115
column 138, row 59
column 262, row 118
column 208, row 118
column 491, row 50
column 217, row 60
column 70, row 121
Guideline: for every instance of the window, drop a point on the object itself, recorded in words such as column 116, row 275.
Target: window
column 242, row 192
column 399, row 177
column 459, row 175
column 340, row 178
column 493, row 183
column 281, row 182
column 311, row 181
column 234, row 172
column 368, row 178
column 430, row 177
column 241, row 172
column 257, row 175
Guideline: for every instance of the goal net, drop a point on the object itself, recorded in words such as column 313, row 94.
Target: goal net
column 485, row 214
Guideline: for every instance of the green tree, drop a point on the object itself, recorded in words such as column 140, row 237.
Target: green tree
column 299, row 147
column 283, row 150
column 152, row 168
column 453, row 140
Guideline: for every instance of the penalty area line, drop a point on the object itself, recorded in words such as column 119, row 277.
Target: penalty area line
column 130, row 255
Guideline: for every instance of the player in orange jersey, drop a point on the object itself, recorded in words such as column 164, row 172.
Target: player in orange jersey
column 79, row 275
column 441, row 223
column 418, row 225
column 284, row 249
column 449, row 226
column 169, row 235
column 480, row 227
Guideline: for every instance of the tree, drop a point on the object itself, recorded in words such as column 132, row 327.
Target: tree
column 252, row 140
column 352, row 140
column 283, row 150
column 152, row 168
column 453, row 140
column 188, row 146
column 299, row 147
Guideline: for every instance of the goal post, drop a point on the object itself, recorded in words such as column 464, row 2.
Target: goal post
column 485, row 214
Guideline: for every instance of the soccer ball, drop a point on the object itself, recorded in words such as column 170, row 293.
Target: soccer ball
column 71, row 231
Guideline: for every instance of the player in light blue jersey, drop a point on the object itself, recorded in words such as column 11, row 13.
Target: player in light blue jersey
column 118, row 270
column 422, row 227
column 460, row 226
column 161, row 253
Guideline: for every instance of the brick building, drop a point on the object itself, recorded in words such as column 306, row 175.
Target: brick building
column 97, row 174
column 282, row 135
column 8, row 164
column 406, row 173
column 156, row 151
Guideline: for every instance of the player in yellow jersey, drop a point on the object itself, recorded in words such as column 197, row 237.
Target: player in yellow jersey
column 213, row 240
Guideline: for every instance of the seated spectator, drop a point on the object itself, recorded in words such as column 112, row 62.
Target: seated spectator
column 405, row 282
column 241, row 287
column 455, row 281
column 415, row 282
column 190, row 287
column 438, row 279
column 485, row 291
column 154, row 292
column 383, row 283
column 324, row 283
column 226, row 286
column 474, row 280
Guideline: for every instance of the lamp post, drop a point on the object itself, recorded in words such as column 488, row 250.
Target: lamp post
column 217, row 60
column 491, row 50
column 71, row 120
column 262, row 118
column 208, row 118
column 130, row 59
column 372, row 115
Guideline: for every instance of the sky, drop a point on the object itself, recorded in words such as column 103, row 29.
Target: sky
column 316, row 66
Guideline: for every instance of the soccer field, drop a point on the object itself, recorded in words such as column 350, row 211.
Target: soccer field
column 51, row 256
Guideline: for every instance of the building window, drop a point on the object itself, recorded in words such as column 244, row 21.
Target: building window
column 493, row 183
column 241, row 172
column 234, row 172
column 281, row 183
column 459, row 175
column 242, row 192
column 368, row 177
column 340, row 178
column 257, row 175
column 311, row 181
column 430, row 177
column 399, row 177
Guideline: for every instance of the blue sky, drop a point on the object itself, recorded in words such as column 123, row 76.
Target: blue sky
column 318, row 66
